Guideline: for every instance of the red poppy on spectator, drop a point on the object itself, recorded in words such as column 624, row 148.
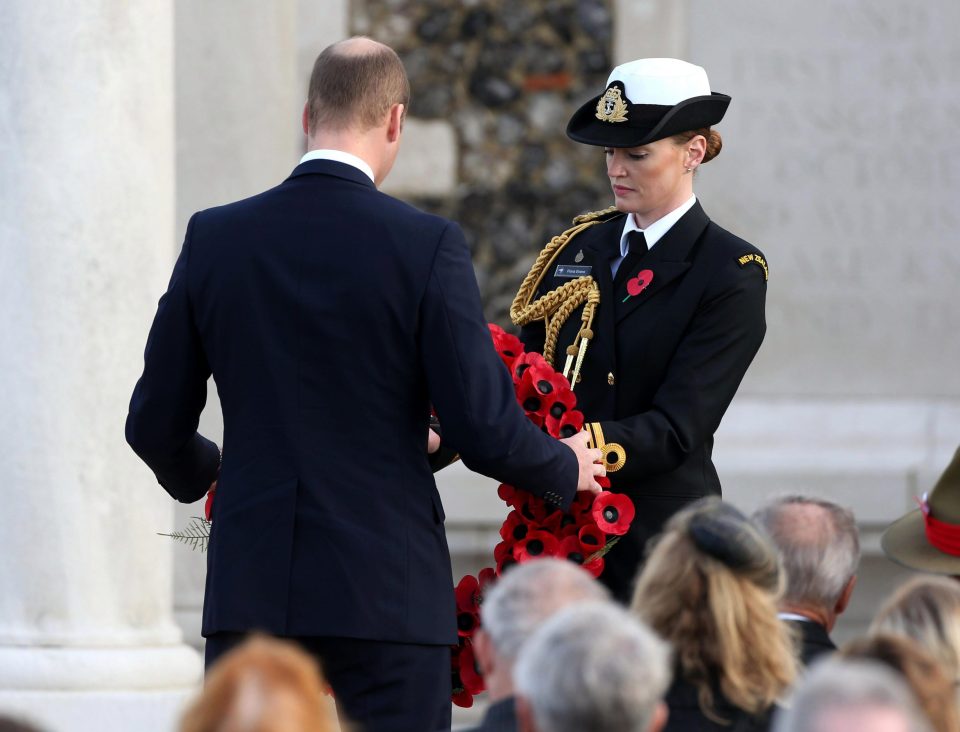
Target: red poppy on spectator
column 515, row 528
column 613, row 512
column 592, row 539
column 537, row 544
column 208, row 506
column 469, row 673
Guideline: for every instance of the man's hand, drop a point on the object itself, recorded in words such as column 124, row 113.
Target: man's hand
column 589, row 460
column 433, row 441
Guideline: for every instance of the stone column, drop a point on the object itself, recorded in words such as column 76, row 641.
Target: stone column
column 87, row 639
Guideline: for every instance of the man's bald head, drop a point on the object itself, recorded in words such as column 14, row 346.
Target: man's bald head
column 819, row 544
column 354, row 84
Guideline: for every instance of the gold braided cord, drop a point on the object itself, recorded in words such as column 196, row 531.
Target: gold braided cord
column 556, row 306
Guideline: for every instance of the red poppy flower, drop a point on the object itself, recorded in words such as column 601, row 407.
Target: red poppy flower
column 569, row 526
column 467, row 593
column 504, row 564
column 509, row 495
column 208, row 506
column 639, row 283
column 469, row 671
column 569, row 424
column 536, row 545
column 508, row 346
column 534, row 389
column 570, row 548
column 559, row 405
column 592, row 539
column 533, row 509
column 503, row 550
column 463, row 699
column 524, row 362
column 582, row 504
column 515, row 528
column 594, row 567
column 613, row 512
column 486, row 578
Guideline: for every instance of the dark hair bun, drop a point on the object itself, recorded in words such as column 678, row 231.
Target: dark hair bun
column 722, row 532
column 714, row 145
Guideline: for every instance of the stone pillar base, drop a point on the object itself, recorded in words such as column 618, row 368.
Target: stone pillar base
column 99, row 689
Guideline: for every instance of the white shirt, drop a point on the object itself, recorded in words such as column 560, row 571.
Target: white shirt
column 653, row 233
column 794, row 616
column 339, row 156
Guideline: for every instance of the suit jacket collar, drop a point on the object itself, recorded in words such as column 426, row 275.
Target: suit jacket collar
column 670, row 258
column 334, row 168
column 814, row 634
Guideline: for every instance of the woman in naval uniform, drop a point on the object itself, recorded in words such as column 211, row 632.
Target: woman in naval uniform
column 650, row 308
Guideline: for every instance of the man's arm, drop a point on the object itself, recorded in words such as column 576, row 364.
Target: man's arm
column 170, row 395
column 473, row 393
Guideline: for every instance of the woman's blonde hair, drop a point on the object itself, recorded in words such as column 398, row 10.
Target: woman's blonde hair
column 263, row 685
column 925, row 676
column 926, row 609
column 710, row 588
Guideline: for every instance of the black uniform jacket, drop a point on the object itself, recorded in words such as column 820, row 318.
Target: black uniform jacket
column 814, row 641
column 663, row 365
column 331, row 316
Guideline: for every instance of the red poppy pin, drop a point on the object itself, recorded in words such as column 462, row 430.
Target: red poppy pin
column 639, row 283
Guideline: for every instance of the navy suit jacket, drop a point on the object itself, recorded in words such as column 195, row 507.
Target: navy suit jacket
column 331, row 317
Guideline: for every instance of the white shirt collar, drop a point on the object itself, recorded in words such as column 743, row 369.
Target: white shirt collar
column 794, row 616
column 654, row 233
column 339, row 156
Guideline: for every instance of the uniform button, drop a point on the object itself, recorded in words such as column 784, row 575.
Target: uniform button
column 610, row 379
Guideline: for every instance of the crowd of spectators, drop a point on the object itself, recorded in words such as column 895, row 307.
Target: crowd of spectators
column 729, row 629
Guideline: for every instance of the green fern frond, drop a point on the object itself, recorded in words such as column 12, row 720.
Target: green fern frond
column 196, row 535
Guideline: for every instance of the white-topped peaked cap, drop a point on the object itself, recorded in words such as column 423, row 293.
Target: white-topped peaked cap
column 665, row 81
column 647, row 100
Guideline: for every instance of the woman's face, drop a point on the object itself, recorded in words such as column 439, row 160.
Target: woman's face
column 649, row 181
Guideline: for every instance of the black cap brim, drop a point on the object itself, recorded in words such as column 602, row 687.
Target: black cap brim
column 690, row 114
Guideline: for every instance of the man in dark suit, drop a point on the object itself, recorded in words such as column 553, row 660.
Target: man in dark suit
column 331, row 317
column 820, row 548
column 518, row 604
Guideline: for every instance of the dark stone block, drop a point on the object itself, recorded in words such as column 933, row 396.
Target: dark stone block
column 492, row 91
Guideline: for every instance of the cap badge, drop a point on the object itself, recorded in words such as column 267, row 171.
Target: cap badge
column 612, row 107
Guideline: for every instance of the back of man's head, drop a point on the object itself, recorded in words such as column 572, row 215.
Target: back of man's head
column 527, row 595
column 593, row 666
column 353, row 86
column 851, row 696
column 819, row 546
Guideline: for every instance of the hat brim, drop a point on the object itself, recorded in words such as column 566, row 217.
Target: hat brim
column 905, row 542
column 690, row 114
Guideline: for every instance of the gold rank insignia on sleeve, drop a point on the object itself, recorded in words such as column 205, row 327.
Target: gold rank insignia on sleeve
column 756, row 259
column 614, row 456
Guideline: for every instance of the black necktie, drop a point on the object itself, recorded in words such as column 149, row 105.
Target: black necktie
column 637, row 250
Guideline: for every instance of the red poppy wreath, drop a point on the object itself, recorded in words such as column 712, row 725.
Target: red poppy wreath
column 534, row 529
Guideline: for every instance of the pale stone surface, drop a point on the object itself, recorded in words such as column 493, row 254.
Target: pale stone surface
column 86, row 212
column 830, row 165
column 650, row 29
column 427, row 163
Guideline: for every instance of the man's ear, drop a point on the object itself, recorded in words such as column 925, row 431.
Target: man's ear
column 525, row 722
column 305, row 118
column 395, row 122
column 845, row 596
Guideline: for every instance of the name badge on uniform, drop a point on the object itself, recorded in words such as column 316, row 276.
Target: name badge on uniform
column 573, row 270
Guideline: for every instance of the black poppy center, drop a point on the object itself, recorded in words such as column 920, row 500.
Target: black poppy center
column 567, row 431
column 519, row 531
column 531, row 404
column 567, row 521
column 575, row 557
column 521, row 368
column 465, row 621
column 544, row 386
column 508, row 353
column 557, row 410
column 534, row 547
column 589, row 539
column 610, row 514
